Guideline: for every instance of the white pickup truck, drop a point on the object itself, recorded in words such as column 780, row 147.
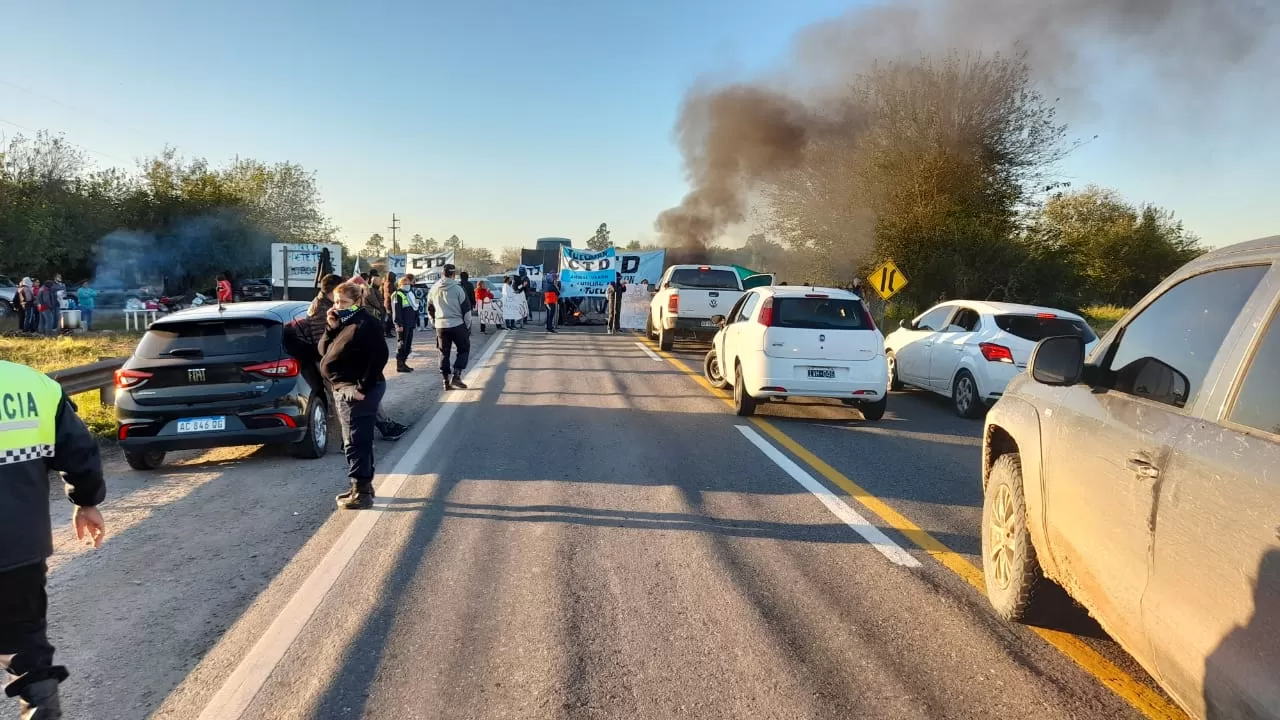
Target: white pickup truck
column 689, row 295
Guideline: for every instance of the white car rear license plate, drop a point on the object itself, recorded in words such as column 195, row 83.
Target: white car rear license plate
column 708, row 323
column 824, row 373
column 203, row 424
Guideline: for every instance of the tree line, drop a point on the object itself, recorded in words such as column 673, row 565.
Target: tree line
column 181, row 218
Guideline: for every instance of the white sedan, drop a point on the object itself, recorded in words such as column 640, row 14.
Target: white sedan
column 780, row 342
column 970, row 350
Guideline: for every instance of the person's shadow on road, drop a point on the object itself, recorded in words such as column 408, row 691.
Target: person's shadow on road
column 1242, row 676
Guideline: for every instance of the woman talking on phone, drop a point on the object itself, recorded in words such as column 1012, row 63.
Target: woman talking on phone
column 354, row 353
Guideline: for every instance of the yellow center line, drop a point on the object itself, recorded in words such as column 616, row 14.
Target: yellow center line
column 1149, row 702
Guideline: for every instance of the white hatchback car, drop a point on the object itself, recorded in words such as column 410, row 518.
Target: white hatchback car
column 970, row 350
column 780, row 342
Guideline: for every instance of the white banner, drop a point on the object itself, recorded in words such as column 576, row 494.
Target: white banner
column 304, row 260
column 395, row 264
column 426, row 269
column 635, row 308
column 637, row 266
column 534, row 273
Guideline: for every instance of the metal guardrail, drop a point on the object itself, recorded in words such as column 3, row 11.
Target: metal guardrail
column 94, row 376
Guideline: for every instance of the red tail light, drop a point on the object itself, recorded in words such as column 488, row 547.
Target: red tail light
column 996, row 353
column 285, row 420
column 287, row 367
column 126, row 379
column 673, row 303
column 766, row 313
column 1046, row 316
column 124, row 432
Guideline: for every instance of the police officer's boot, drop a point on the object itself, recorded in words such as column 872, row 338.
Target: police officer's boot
column 39, row 701
column 361, row 498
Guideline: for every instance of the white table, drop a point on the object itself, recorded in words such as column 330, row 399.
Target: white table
column 134, row 319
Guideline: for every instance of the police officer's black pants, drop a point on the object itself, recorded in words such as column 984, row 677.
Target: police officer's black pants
column 404, row 346
column 447, row 339
column 359, row 419
column 25, row 652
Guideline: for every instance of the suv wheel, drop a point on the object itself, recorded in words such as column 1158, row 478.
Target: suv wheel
column 1015, row 582
column 964, row 394
column 316, row 442
column 648, row 327
column 666, row 338
column 743, row 403
column 713, row 372
column 144, row 459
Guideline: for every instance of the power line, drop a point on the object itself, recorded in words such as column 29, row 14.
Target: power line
column 82, row 147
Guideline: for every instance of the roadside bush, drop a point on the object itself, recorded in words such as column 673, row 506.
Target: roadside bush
column 1103, row 317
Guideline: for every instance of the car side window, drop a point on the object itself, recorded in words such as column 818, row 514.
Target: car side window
column 732, row 315
column 748, row 305
column 965, row 320
column 1256, row 405
column 935, row 318
column 1164, row 353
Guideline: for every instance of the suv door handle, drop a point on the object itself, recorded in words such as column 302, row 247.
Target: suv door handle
column 1142, row 468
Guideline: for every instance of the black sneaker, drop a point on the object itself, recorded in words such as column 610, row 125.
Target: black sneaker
column 394, row 431
column 458, row 384
column 403, row 369
column 448, row 384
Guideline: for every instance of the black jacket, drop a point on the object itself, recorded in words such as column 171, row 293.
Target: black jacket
column 355, row 352
column 404, row 314
column 26, row 536
column 470, row 290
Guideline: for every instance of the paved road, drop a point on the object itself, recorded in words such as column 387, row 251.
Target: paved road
column 589, row 533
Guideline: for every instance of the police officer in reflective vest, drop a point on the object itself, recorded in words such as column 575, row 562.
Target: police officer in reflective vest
column 39, row 432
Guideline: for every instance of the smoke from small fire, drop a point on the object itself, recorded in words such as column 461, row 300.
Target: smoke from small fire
column 736, row 137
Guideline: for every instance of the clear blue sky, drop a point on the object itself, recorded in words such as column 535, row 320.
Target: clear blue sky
column 499, row 120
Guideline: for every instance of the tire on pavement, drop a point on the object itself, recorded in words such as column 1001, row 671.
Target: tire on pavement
column 648, row 328
column 875, row 410
column 316, row 442
column 666, row 338
column 743, row 403
column 1015, row 582
column 892, row 360
column 713, row 372
column 144, row 459
column 965, row 398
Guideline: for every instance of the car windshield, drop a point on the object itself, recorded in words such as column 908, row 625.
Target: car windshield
column 1038, row 327
column 819, row 313
column 705, row 279
column 208, row 339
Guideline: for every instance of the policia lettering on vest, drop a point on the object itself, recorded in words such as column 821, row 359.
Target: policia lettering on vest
column 39, row 432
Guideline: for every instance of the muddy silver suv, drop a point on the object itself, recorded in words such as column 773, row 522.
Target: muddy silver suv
column 1145, row 481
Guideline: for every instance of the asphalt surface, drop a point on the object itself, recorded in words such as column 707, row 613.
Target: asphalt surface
column 587, row 533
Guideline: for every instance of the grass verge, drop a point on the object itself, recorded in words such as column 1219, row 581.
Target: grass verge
column 1103, row 317
column 58, row 353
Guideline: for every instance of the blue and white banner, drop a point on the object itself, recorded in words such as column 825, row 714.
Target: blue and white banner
column 638, row 266
column 584, row 273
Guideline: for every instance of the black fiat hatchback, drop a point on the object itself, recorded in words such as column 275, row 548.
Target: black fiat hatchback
column 217, row 376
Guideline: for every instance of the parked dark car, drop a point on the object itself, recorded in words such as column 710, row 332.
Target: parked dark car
column 215, row 377
column 254, row 289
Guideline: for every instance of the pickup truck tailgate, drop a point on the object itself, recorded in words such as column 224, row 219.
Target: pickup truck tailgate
column 705, row 303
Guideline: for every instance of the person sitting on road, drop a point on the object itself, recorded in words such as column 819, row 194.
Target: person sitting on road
column 302, row 340
column 354, row 353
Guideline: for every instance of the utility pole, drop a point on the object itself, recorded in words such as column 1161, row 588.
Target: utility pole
column 395, row 225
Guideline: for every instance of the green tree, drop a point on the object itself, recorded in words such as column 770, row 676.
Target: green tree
column 476, row 261
column 417, row 244
column 454, row 243
column 600, row 241
column 633, row 245
column 374, row 247
column 1115, row 252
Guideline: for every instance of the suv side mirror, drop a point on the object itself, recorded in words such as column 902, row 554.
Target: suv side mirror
column 718, row 320
column 1057, row 361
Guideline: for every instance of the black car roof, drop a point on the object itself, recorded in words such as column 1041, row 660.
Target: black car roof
column 277, row 310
